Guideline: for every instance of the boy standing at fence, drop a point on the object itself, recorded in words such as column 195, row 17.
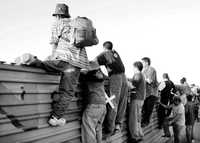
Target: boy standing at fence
column 117, row 87
column 66, row 59
column 94, row 114
column 136, row 103
column 189, row 117
column 177, row 120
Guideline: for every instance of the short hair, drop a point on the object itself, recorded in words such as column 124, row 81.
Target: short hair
column 183, row 80
column 166, row 76
column 108, row 45
column 189, row 97
column 147, row 59
column 138, row 65
column 177, row 99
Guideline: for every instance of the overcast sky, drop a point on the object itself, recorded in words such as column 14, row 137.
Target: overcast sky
column 167, row 31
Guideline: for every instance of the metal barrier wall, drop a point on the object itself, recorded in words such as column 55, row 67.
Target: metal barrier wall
column 25, row 105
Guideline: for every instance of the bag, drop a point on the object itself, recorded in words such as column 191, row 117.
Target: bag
column 25, row 59
column 82, row 33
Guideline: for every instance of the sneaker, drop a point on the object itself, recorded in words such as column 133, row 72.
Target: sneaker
column 117, row 128
column 61, row 121
column 53, row 121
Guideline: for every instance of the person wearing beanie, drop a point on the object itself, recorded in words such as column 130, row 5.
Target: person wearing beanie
column 67, row 60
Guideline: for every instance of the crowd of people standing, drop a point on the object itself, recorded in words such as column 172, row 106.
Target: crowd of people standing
column 109, row 107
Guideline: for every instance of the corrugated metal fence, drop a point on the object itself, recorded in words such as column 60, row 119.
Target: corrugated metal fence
column 25, row 105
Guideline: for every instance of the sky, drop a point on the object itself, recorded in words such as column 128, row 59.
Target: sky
column 167, row 31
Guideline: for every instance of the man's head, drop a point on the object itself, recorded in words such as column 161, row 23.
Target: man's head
column 146, row 61
column 165, row 76
column 177, row 100
column 137, row 66
column 189, row 97
column 108, row 45
column 61, row 11
column 183, row 80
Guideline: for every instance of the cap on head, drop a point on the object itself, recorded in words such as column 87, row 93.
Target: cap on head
column 62, row 9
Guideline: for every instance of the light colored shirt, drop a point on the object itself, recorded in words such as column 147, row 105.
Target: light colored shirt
column 151, row 80
column 66, row 51
column 180, row 109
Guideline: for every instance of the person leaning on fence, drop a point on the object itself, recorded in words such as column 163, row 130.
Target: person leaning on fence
column 65, row 59
column 177, row 120
column 95, row 111
column 151, row 90
column 136, row 103
column 117, row 87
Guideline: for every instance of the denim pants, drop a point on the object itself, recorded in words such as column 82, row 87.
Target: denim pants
column 166, row 126
column 179, row 133
column 189, row 132
column 147, row 108
column 118, row 87
column 92, row 120
column 134, row 122
column 68, row 83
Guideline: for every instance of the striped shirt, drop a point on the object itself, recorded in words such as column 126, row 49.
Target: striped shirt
column 66, row 51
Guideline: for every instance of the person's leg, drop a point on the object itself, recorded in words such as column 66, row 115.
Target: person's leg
column 166, row 128
column 132, row 122
column 90, row 120
column 179, row 134
column 144, row 110
column 115, row 83
column 161, row 116
column 189, row 134
column 139, row 115
column 147, row 110
column 122, row 106
column 67, row 89
column 175, row 131
column 99, row 125
column 150, row 106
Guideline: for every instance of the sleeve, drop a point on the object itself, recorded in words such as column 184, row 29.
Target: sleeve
column 153, row 77
column 136, row 80
column 101, row 59
column 161, row 86
column 56, row 32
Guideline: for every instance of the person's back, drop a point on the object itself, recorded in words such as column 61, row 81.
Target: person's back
column 140, row 86
column 112, row 61
column 94, row 114
column 117, row 87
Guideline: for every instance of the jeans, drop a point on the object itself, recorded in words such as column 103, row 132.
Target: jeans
column 147, row 108
column 179, row 133
column 92, row 120
column 134, row 122
column 189, row 132
column 166, row 127
column 68, row 83
column 118, row 87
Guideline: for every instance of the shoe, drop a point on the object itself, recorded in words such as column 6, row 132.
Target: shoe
column 53, row 121
column 61, row 122
column 117, row 128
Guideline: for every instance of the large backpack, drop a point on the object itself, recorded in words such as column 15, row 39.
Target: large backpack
column 82, row 33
